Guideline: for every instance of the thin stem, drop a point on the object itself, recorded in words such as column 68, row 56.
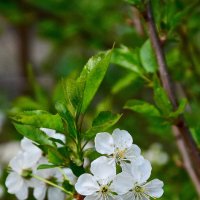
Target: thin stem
column 185, row 142
column 51, row 183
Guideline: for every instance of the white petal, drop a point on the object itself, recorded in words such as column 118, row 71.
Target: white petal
column 140, row 172
column 154, row 188
column 14, row 182
column 39, row 191
column 122, row 139
column 96, row 196
column 133, row 152
column 17, row 163
column 70, row 175
column 27, row 145
column 103, row 168
column 86, row 185
column 122, row 183
column 22, row 193
column 55, row 194
column 104, row 143
column 48, row 131
column 30, row 159
column 128, row 196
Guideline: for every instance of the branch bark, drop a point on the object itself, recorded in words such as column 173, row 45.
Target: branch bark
column 185, row 142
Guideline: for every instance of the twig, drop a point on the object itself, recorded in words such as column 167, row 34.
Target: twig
column 185, row 142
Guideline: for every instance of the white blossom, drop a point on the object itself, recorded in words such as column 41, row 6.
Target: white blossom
column 40, row 188
column 119, row 147
column 140, row 189
column 103, row 183
column 18, row 181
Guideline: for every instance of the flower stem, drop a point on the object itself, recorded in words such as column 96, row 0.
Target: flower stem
column 51, row 183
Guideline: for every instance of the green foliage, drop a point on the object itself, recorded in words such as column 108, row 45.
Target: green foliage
column 127, row 58
column 68, row 118
column 33, row 133
column 94, row 72
column 39, row 119
column 103, row 121
column 142, row 107
column 148, row 58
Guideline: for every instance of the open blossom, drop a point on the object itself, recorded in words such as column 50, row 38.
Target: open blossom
column 140, row 189
column 41, row 189
column 103, row 183
column 18, row 181
column 119, row 147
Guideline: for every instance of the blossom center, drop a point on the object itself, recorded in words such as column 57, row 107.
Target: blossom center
column 26, row 173
column 104, row 189
column 120, row 154
column 138, row 189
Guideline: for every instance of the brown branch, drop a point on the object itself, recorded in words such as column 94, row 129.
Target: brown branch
column 185, row 142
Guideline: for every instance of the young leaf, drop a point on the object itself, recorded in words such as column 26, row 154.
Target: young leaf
column 74, row 91
column 124, row 82
column 55, row 157
column 180, row 109
column 102, row 122
column 33, row 133
column 161, row 98
column 142, row 107
column 94, row 72
column 67, row 117
column 147, row 57
column 128, row 59
column 39, row 119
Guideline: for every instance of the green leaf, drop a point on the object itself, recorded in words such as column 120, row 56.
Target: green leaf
column 148, row 58
column 39, row 119
column 161, row 99
column 102, row 122
column 134, row 2
column 74, row 91
column 94, row 72
column 142, row 107
column 196, row 135
column 124, row 82
column 55, row 157
column 67, row 117
column 33, row 133
column 128, row 59
column 180, row 109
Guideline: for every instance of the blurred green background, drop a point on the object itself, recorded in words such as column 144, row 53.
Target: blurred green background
column 43, row 41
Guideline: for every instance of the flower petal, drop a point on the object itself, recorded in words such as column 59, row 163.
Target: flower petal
column 70, row 175
column 55, row 194
column 16, row 163
column 122, row 139
column 39, row 191
column 122, row 183
column 86, row 185
column 154, row 188
column 103, row 168
column 14, row 182
column 104, row 143
column 48, row 131
column 23, row 192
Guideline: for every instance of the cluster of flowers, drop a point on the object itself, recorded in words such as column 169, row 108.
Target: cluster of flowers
column 121, row 173
column 130, row 183
column 24, row 173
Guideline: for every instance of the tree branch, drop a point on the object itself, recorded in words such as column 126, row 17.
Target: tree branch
column 185, row 142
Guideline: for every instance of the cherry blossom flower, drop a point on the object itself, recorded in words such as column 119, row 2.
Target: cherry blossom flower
column 40, row 188
column 140, row 189
column 19, row 180
column 103, row 183
column 119, row 147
